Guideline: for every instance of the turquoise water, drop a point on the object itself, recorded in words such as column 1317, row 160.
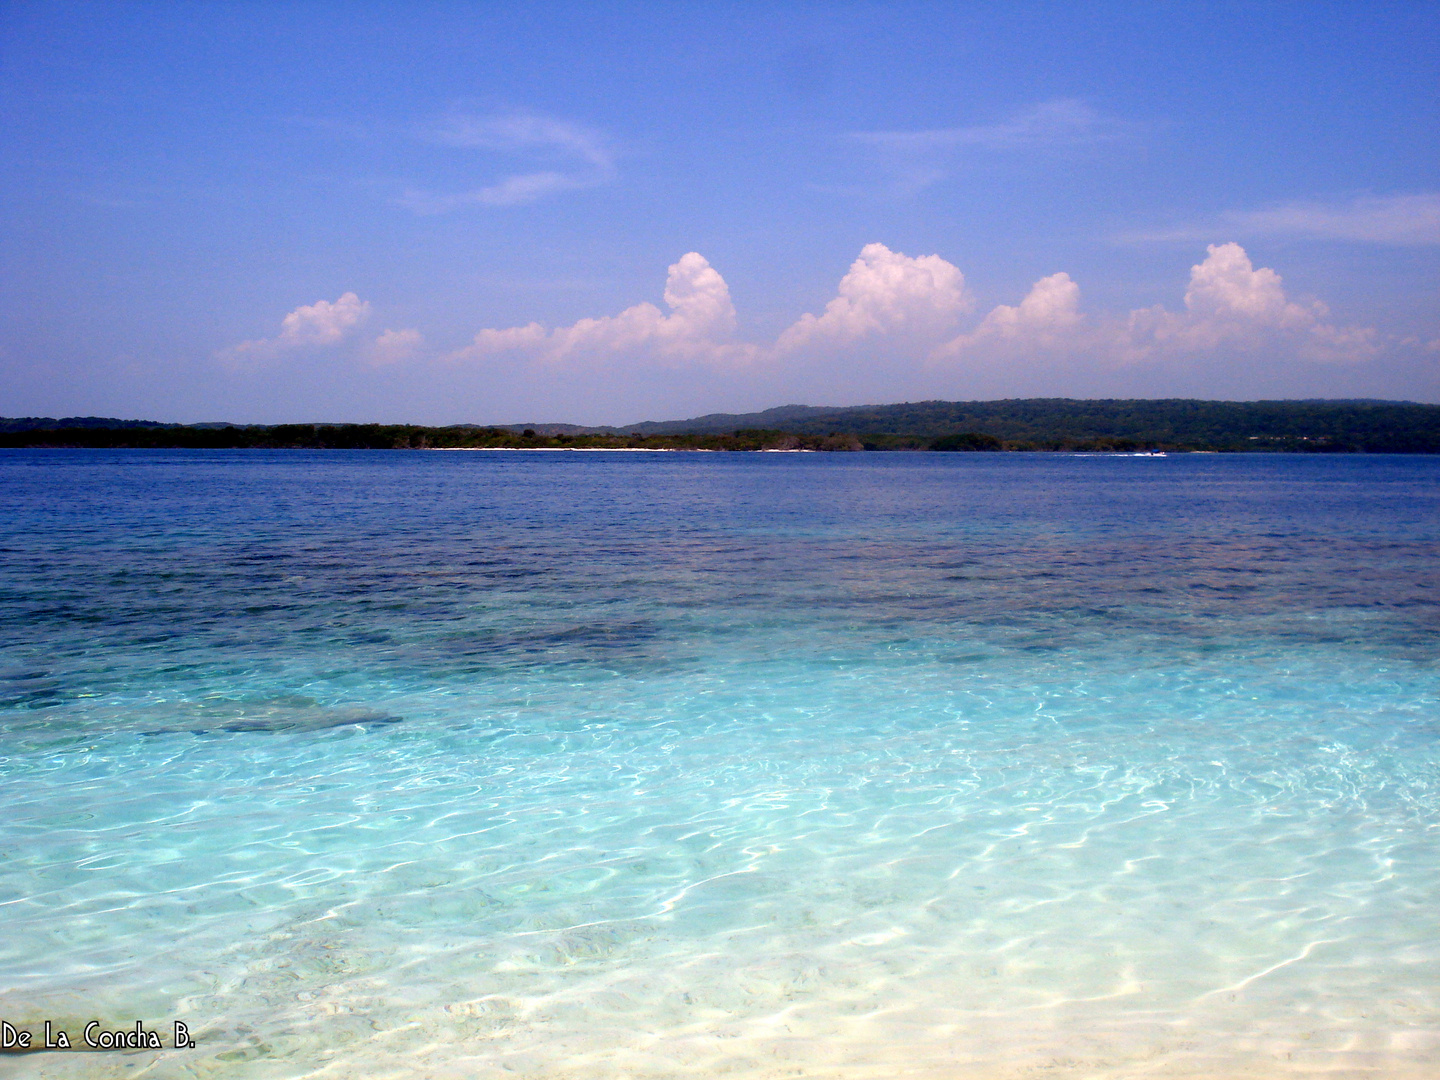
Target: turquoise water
column 656, row 765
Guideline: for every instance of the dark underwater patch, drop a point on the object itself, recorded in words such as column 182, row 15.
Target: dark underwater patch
column 212, row 720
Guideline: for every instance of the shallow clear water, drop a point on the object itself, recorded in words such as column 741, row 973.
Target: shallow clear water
column 658, row 765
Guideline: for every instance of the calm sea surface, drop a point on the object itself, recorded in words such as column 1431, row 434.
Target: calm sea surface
column 854, row 766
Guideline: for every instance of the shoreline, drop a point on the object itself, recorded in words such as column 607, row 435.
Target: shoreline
column 603, row 450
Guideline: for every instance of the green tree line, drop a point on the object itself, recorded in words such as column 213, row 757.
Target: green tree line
column 1028, row 424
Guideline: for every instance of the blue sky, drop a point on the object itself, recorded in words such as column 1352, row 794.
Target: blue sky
column 614, row 212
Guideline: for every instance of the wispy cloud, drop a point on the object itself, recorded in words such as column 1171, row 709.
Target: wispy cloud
column 572, row 157
column 512, row 191
column 1396, row 219
column 1369, row 219
column 522, row 131
column 1065, row 122
column 919, row 159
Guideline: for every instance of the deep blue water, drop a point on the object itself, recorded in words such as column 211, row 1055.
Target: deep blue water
column 647, row 765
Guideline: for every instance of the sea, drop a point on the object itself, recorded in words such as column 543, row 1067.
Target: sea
column 546, row 765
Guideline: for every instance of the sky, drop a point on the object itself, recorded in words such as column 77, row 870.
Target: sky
column 608, row 213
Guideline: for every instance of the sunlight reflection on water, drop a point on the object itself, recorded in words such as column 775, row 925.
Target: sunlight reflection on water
column 787, row 765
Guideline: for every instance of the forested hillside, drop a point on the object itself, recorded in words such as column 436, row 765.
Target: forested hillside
column 1028, row 424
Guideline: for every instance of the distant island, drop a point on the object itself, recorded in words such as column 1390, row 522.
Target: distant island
column 1030, row 424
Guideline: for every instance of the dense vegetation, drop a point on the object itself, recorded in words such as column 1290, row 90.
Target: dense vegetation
column 1029, row 424
column 1074, row 424
column 66, row 433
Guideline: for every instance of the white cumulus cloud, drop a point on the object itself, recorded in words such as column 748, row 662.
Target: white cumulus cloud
column 394, row 346
column 898, row 326
column 902, row 326
column 1233, row 310
column 885, row 295
column 1233, row 305
column 323, row 323
column 699, row 328
column 1048, row 317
